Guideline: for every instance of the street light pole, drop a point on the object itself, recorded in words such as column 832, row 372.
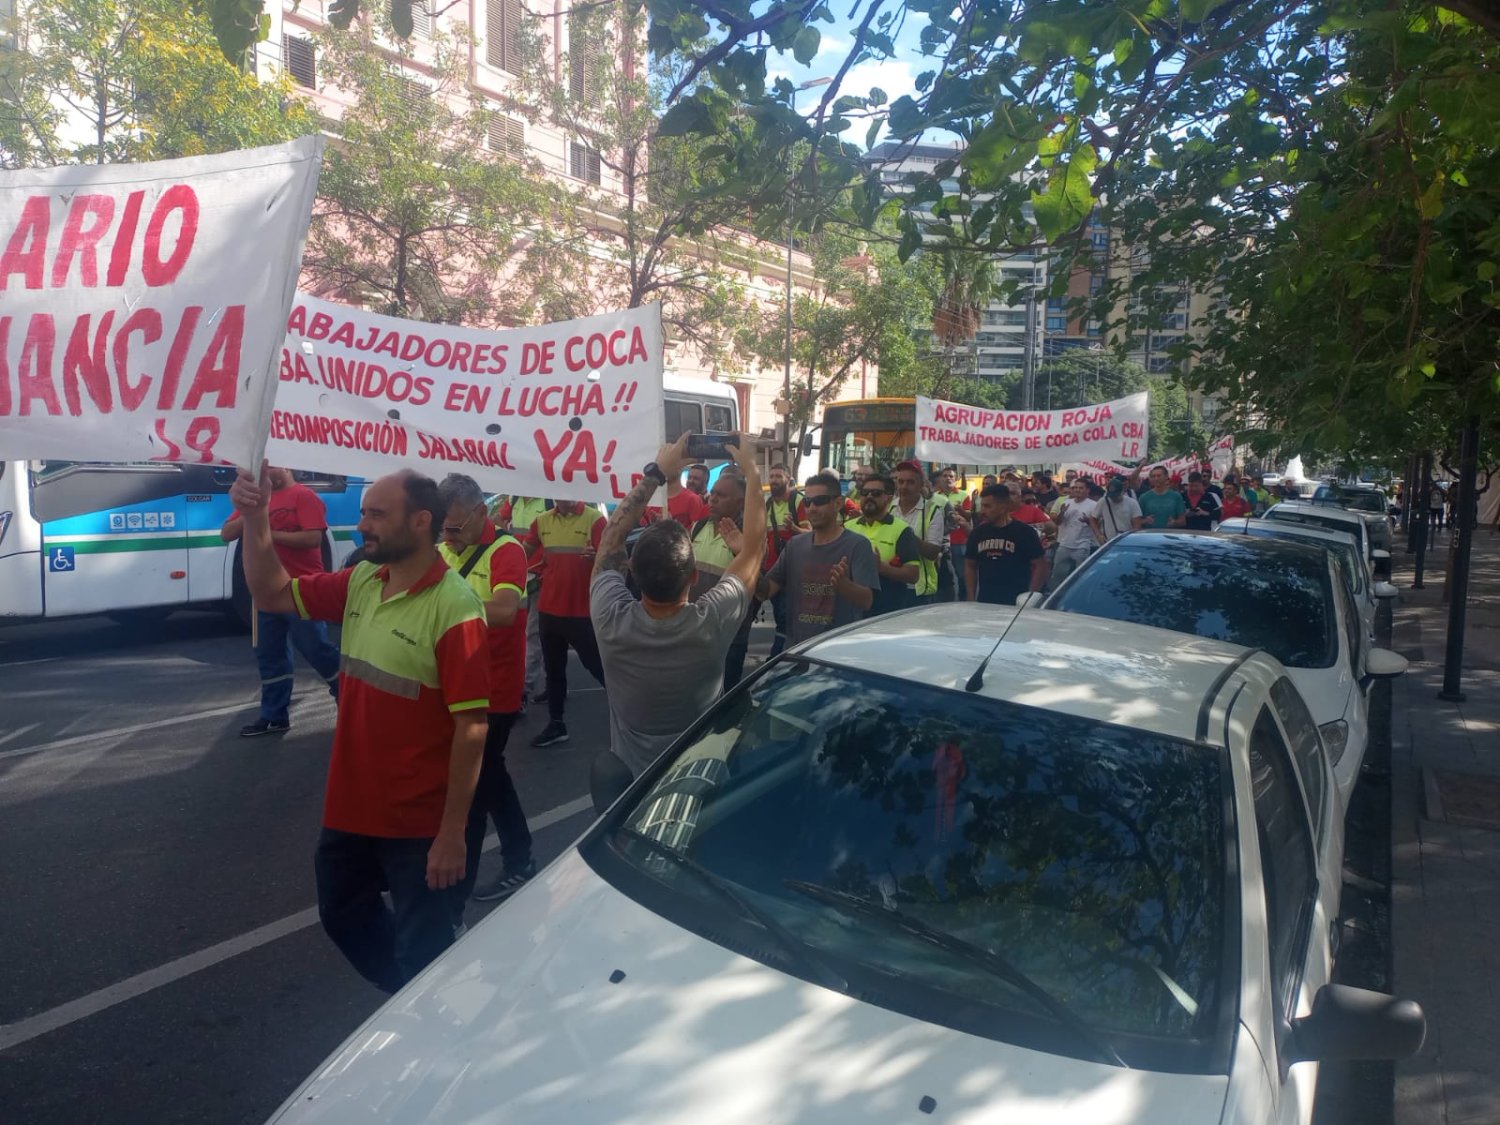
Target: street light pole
column 786, row 379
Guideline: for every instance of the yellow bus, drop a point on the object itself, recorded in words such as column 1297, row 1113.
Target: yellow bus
column 879, row 432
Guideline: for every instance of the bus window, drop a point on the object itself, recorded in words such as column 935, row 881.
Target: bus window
column 70, row 488
column 683, row 418
column 718, row 418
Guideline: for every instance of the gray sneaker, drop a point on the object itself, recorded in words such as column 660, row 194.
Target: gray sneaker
column 506, row 883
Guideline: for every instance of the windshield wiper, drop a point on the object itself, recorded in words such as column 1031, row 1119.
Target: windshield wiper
column 965, row 951
column 793, row 946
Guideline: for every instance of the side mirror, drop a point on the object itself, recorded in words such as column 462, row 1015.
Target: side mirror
column 608, row 778
column 1385, row 590
column 1379, row 554
column 1383, row 664
column 1353, row 1023
column 1032, row 599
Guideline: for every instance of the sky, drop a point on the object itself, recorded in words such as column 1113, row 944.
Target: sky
column 896, row 76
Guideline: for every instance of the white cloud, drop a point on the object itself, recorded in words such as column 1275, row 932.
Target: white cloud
column 831, row 45
column 891, row 75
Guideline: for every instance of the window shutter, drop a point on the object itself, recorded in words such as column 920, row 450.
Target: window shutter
column 414, row 95
column 583, row 162
column 583, row 56
column 421, row 20
column 502, row 34
column 506, row 135
column 299, row 59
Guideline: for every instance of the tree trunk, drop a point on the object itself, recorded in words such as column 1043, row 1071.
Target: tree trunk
column 1458, row 579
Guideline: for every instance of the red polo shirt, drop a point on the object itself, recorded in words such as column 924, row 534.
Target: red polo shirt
column 568, row 544
column 410, row 662
column 296, row 508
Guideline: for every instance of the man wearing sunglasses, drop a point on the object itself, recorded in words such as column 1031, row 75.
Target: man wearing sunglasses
column 828, row 573
column 898, row 551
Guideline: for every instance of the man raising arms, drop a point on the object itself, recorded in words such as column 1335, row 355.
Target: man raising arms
column 663, row 655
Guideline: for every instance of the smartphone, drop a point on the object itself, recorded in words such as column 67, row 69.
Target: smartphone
column 709, row 447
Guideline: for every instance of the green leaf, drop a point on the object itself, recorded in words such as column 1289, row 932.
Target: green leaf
column 1193, row 11
column 686, row 118
column 1069, row 195
column 1485, row 270
column 1430, row 205
column 805, row 45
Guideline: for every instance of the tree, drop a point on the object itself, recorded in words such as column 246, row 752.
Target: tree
column 653, row 224
column 415, row 215
column 143, row 79
column 866, row 309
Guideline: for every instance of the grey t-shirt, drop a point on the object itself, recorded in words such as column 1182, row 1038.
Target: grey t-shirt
column 662, row 672
column 801, row 571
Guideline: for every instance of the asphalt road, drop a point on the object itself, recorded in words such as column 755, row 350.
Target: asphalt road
column 159, row 957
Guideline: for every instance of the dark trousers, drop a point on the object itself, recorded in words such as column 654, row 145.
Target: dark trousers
column 495, row 799
column 558, row 634
column 734, row 662
column 778, row 612
column 388, row 947
column 275, row 634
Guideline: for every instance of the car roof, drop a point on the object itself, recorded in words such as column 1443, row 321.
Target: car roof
column 1108, row 671
column 1247, row 525
column 1344, row 515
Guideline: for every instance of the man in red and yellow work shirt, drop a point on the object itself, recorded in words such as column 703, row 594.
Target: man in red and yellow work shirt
column 567, row 537
column 411, row 725
column 494, row 566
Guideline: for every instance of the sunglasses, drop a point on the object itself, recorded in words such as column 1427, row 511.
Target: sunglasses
column 449, row 529
column 873, row 493
column 817, row 501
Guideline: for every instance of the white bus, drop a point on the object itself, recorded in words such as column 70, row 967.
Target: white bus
column 140, row 540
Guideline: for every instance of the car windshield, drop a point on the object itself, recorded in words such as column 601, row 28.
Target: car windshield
column 1363, row 500
column 1014, row 873
column 1259, row 593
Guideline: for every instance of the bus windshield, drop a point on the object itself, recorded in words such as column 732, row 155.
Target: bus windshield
column 872, row 433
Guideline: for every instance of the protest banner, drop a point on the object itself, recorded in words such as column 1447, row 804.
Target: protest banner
column 951, row 433
column 1216, row 460
column 143, row 306
column 571, row 410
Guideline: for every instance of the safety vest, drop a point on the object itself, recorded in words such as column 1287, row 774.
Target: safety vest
column 776, row 514
column 473, row 564
column 883, row 536
column 927, row 580
column 524, row 511
column 566, row 535
column 711, row 555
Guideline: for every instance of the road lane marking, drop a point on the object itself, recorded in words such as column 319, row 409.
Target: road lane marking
column 24, row 1030
column 156, row 724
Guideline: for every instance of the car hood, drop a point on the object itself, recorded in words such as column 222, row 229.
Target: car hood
column 1326, row 691
column 520, row 1022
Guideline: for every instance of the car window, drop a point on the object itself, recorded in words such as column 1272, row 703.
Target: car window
column 1351, row 525
column 858, row 811
column 1354, row 624
column 1307, row 748
column 1288, row 866
column 682, row 418
column 1341, row 547
column 1276, row 598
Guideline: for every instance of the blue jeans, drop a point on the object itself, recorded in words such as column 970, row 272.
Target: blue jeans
column 276, row 634
column 387, row 947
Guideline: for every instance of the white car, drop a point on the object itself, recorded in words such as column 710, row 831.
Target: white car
column 1337, row 519
column 1285, row 597
column 1366, row 590
column 961, row 863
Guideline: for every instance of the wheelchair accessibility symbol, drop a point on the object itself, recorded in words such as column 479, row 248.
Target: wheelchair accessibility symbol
column 60, row 559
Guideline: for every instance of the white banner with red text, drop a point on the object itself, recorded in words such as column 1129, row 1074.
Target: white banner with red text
column 569, row 411
column 1216, row 459
column 143, row 306
column 951, row 433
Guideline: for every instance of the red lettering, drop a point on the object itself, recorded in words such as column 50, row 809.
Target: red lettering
column 179, row 198
column 219, row 371
column 147, row 322
column 202, row 433
column 460, row 358
column 573, row 364
column 390, row 343
column 318, row 329
column 615, row 337
column 26, row 252
column 297, row 322
column 421, row 390
column 119, row 255
column 551, row 452
column 177, row 356
column 343, row 334
column 79, row 240
column 5, row 403
column 637, row 346
column 34, row 374
column 79, row 362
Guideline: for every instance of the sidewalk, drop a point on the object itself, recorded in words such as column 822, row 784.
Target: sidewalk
column 1445, row 864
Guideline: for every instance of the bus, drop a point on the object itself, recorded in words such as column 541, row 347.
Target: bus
column 137, row 541
column 869, row 432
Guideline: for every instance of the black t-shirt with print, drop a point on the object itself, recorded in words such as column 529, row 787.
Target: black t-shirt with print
column 1003, row 557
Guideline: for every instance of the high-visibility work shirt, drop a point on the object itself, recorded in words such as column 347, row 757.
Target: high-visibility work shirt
column 928, row 525
column 566, row 569
column 522, row 512
column 711, row 557
column 777, row 534
column 499, row 563
column 895, row 545
column 959, row 502
column 410, row 662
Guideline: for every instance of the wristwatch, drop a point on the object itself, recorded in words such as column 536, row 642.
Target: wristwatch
column 653, row 470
